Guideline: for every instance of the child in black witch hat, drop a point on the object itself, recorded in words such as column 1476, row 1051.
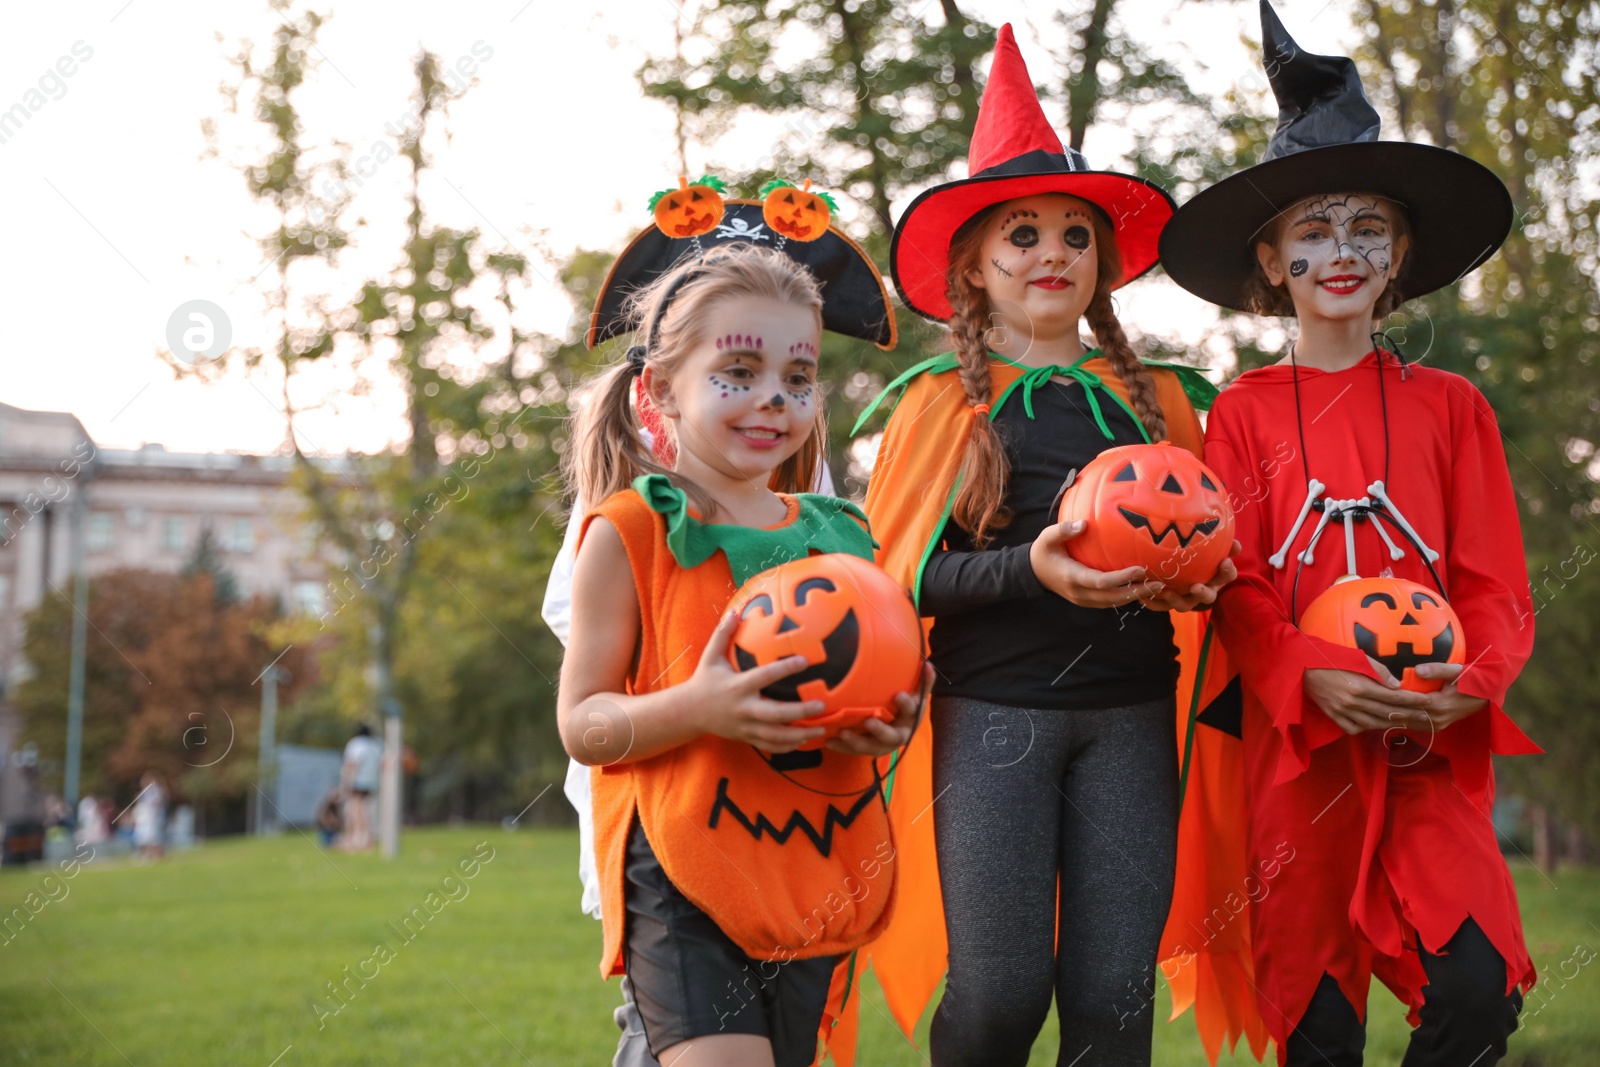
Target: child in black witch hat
column 1383, row 793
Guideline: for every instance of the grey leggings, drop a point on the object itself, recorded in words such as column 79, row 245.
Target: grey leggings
column 1022, row 795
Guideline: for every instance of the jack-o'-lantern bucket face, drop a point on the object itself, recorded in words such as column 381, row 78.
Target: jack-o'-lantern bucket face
column 1154, row 506
column 855, row 626
column 689, row 210
column 1398, row 623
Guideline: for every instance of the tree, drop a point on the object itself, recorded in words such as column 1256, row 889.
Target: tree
column 171, row 673
column 441, row 324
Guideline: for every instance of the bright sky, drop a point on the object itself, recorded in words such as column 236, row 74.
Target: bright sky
column 113, row 217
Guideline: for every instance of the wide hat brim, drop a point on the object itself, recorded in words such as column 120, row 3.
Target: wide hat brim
column 1458, row 213
column 855, row 302
column 919, row 257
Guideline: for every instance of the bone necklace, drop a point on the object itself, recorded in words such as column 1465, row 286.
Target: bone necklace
column 1376, row 505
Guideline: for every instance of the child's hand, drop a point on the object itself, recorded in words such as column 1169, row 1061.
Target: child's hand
column 879, row 738
column 1084, row 586
column 1449, row 704
column 1198, row 596
column 728, row 702
column 1356, row 702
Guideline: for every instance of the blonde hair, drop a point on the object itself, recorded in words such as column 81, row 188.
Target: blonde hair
column 608, row 452
column 1261, row 297
column 980, row 503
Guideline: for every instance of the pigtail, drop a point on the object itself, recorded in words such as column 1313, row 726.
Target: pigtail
column 607, row 451
column 1101, row 315
column 980, row 502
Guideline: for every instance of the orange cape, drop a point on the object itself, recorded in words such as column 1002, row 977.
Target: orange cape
column 913, row 486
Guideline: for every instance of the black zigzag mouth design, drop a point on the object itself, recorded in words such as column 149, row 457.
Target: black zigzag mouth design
column 1142, row 522
column 762, row 826
column 839, row 656
column 1405, row 653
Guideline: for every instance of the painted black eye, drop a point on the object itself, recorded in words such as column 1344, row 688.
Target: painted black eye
column 762, row 603
column 1378, row 598
column 1077, row 237
column 1024, row 236
column 802, row 590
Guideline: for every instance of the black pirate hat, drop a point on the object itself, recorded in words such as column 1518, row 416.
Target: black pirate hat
column 1327, row 142
column 694, row 219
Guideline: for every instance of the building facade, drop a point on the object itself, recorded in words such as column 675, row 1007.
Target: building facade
column 142, row 508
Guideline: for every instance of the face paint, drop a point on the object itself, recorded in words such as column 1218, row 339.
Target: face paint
column 727, row 386
column 777, row 400
column 739, row 342
column 1022, row 213
column 1077, row 237
column 1297, row 268
column 803, row 348
column 1024, row 236
column 1001, row 269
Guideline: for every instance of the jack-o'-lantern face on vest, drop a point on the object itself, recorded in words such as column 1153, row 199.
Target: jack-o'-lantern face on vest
column 855, row 626
column 1155, row 506
column 689, row 210
column 1398, row 623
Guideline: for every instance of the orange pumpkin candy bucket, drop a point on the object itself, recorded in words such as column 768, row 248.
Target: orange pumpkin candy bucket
column 1399, row 623
column 1154, row 506
column 855, row 625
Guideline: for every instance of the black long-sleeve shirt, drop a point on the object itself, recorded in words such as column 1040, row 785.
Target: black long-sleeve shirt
column 1000, row 635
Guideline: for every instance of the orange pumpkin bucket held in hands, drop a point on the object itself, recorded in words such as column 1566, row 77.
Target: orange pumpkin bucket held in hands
column 853, row 623
column 1398, row 623
column 1154, row 506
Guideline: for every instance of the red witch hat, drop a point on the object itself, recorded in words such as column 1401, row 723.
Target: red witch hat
column 1015, row 153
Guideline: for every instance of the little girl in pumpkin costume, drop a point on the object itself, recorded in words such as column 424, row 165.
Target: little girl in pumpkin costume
column 1381, row 796
column 1053, row 760
column 734, row 870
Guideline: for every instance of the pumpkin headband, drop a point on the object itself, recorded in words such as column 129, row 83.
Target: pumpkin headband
column 793, row 220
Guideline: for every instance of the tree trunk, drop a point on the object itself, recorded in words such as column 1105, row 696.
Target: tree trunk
column 854, row 32
column 1544, row 838
column 1083, row 94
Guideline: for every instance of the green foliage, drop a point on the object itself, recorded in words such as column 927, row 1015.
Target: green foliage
column 170, row 673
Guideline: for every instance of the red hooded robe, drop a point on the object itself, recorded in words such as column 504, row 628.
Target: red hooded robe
column 1359, row 846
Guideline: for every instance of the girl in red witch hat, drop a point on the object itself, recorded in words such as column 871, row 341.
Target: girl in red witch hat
column 1381, row 795
column 1053, row 760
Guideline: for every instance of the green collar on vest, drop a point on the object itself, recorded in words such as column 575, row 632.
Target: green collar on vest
column 1196, row 386
column 825, row 524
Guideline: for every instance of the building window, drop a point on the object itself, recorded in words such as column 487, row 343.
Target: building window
column 241, row 536
column 172, row 534
column 100, row 531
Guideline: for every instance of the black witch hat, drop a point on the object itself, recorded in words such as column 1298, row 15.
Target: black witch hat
column 1327, row 142
column 695, row 219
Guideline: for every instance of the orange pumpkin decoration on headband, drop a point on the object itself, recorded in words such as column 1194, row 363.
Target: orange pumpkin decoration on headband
column 689, row 210
column 1154, row 506
column 855, row 626
column 1398, row 623
column 798, row 214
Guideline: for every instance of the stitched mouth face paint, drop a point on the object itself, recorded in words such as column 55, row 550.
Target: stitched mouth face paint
column 1001, row 268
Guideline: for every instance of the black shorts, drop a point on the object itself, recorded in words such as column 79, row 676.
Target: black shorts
column 691, row 980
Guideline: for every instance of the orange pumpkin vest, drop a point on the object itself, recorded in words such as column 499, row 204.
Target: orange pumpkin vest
column 791, row 863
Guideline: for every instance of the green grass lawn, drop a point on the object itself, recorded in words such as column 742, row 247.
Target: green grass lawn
column 221, row 955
